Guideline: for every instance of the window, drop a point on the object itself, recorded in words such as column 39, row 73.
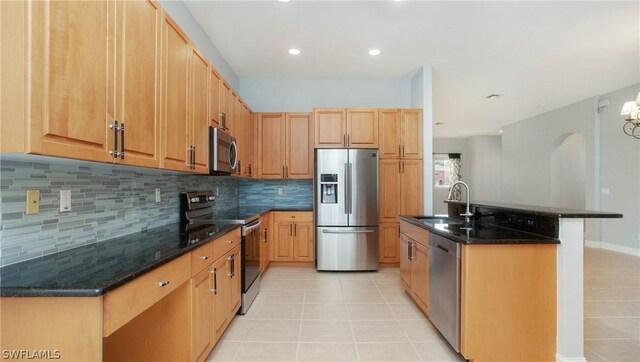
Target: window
column 443, row 171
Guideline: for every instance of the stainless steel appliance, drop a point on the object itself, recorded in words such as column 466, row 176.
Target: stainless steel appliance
column 444, row 287
column 223, row 152
column 346, row 206
column 196, row 211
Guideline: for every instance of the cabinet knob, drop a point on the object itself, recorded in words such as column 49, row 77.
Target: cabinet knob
column 205, row 257
column 163, row 284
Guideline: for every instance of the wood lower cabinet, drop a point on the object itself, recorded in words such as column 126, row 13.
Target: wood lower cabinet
column 203, row 333
column 220, row 271
column 389, row 238
column 294, row 237
column 414, row 263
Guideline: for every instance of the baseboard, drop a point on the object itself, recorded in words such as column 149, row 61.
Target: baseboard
column 292, row 264
column 612, row 247
column 389, row 265
column 559, row 358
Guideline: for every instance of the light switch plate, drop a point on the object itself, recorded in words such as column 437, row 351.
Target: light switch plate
column 65, row 200
column 157, row 195
column 33, row 202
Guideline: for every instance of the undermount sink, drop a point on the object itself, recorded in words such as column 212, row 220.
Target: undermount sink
column 439, row 220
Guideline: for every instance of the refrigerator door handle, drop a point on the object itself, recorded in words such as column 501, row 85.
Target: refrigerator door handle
column 350, row 170
column 347, row 189
column 325, row 231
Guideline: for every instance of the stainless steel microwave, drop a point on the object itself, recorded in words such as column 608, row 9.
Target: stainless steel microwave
column 223, row 152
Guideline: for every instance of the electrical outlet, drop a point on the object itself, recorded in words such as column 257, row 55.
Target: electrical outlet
column 157, row 195
column 217, row 191
column 280, row 192
column 65, row 200
column 33, row 202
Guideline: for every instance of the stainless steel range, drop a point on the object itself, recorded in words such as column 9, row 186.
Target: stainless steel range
column 196, row 212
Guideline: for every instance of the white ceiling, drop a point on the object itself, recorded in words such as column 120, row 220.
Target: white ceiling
column 541, row 55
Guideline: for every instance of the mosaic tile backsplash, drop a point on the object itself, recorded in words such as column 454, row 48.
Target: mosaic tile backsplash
column 295, row 193
column 106, row 201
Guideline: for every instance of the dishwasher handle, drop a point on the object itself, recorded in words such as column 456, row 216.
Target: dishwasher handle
column 439, row 243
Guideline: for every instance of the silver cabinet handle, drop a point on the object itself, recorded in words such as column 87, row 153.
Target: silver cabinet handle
column 214, row 290
column 347, row 231
column 163, row 283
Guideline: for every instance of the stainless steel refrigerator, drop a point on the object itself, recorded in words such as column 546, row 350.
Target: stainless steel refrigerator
column 346, row 206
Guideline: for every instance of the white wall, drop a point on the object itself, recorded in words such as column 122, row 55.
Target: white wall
column 303, row 95
column 181, row 14
column 422, row 97
column 484, row 167
column 612, row 162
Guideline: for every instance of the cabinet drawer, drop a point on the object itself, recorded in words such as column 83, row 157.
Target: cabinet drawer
column 201, row 258
column 416, row 233
column 126, row 302
column 225, row 243
column 293, row 216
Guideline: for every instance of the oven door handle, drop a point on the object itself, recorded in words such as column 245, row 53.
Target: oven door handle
column 250, row 226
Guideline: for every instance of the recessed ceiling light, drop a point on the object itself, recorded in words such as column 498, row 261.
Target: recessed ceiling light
column 374, row 52
column 294, row 51
column 500, row 131
column 494, row 95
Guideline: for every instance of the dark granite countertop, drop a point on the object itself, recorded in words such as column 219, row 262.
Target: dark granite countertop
column 476, row 233
column 95, row 269
column 544, row 210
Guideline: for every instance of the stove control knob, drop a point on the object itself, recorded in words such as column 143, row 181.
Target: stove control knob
column 211, row 198
column 196, row 240
column 210, row 233
column 194, row 199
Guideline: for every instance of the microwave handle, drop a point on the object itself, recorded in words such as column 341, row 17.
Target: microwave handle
column 233, row 155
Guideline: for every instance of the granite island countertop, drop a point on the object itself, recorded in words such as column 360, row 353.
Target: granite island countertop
column 547, row 211
column 476, row 233
column 92, row 270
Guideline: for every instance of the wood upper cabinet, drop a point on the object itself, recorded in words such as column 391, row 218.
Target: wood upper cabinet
column 362, row 128
column 138, row 26
column 199, row 112
column 226, row 100
column 251, row 145
column 400, row 133
column 175, row 84
column 298, row 144
column 330, row 128
column 411, row 187
column 389, row 135
column 239, row 132
column 411, row 133
column 215, row 98
column 389, row 238
column 272, row 145
column 71, row 80
column 285, row 145
column 346, row 128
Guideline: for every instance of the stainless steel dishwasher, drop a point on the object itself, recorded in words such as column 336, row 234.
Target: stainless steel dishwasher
column 444, row 287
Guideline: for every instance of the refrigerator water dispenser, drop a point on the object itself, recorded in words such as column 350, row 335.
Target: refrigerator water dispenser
column 329, row 188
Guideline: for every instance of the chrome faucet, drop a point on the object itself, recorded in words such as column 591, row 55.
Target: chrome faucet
column 467, row 215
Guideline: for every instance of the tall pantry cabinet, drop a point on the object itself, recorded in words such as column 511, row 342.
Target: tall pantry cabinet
column 400, row 174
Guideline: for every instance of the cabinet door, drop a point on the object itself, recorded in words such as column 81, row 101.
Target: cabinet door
column 420, row 275
column 405, row 261
column 389, row 247
column 411, row 187
column 225, row 104
column 303, row 241
column 199, row 106
column 283, row 241
column 201, row 309
column 411, row 133
column 230, row 122
column 330, row 128
column 236, row 281
column 271, row 140
column 72, row 79
column 239, row 132
column 389, row 134
column 215, row 82
column 138, row 81
column 389, row 192
column 299, row 149
column 221, row 286
column 249, row 133
column 252, row 130
column 362, row 128
column 175, row 117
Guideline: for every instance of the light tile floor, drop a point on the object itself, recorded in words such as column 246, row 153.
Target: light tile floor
column 304, row 315
column 612, row 306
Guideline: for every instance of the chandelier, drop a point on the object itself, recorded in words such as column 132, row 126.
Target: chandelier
column 632, row 125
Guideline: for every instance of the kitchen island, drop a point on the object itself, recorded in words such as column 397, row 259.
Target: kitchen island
column 520, row 278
